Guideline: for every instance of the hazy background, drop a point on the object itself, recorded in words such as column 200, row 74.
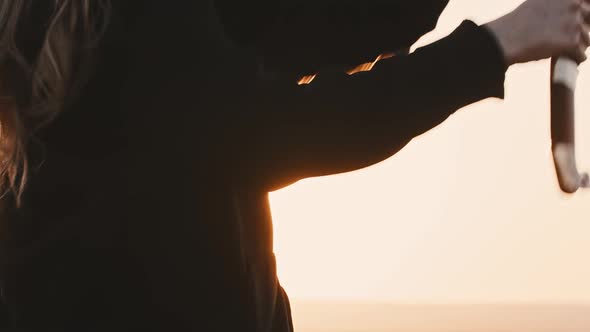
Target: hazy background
column 468, row 213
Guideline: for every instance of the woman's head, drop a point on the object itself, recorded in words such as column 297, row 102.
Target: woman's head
column 45, row 53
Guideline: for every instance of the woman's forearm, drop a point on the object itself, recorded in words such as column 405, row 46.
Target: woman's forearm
column 341, row 123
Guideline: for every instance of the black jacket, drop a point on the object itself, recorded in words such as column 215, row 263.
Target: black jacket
column 147, row 207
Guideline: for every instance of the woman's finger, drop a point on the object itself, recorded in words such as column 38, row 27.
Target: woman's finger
column 585, row 33
column 580, row 55
column 585, row 11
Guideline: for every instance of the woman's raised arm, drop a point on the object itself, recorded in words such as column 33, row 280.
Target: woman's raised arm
column 285, row 132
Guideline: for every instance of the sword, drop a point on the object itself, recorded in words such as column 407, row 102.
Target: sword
column 564, row 73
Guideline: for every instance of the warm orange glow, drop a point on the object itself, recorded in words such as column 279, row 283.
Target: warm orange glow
column 360, row 68
column 306, row 79
column 369, row 65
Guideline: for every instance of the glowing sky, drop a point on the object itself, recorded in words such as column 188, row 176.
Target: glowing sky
column 469, row 212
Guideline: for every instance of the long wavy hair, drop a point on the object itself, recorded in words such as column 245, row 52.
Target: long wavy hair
column 46, row 49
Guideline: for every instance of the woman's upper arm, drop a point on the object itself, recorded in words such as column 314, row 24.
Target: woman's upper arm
column 284, row 132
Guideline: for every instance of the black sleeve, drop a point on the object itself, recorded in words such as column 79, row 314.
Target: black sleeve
column 305, row 36
column 339, row 123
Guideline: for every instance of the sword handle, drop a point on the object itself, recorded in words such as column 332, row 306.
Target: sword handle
column 564, row 72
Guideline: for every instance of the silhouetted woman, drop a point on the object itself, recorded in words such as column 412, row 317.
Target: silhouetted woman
column 139, row 139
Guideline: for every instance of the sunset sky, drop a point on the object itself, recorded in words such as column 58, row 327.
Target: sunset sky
column 468, row 213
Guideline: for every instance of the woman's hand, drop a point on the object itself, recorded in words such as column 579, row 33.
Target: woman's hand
column 540, row 29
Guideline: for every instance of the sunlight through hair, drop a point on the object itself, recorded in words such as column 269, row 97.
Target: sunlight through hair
column 54, row 74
